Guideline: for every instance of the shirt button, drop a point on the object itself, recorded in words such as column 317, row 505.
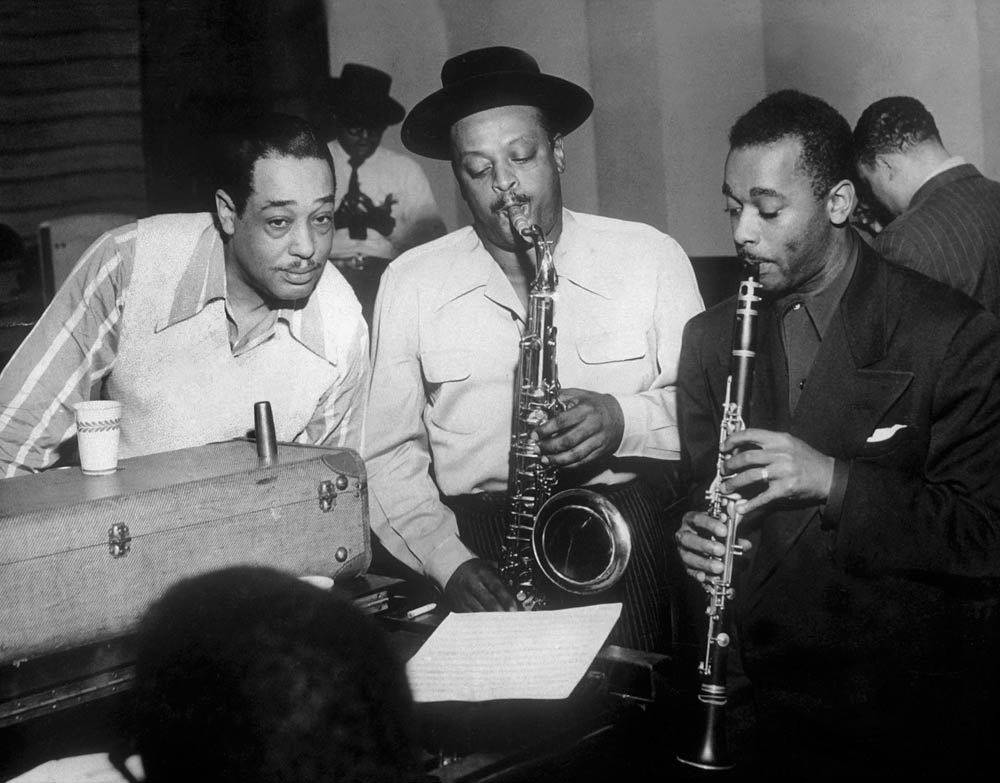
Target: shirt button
column 802, row 384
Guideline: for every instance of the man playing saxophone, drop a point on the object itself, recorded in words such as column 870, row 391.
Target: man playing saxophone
column 449, row 320
column 864, row 604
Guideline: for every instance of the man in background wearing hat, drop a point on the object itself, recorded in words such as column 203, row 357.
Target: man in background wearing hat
column 449, row 320
column 384, row 201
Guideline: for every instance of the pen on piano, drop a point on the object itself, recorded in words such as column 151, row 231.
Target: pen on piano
column 421, row 610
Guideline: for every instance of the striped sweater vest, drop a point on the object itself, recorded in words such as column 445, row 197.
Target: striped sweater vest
column 182, row 386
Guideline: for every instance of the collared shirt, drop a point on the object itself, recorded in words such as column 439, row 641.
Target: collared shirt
column 950, row 163
column 73, row 351
column 387, row 173
column 447, row 333
column 804, row 321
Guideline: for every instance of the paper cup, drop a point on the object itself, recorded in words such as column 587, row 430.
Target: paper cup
column 98, row 425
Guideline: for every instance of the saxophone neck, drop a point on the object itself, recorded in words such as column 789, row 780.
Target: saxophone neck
column 546, row 278
column 545, row 269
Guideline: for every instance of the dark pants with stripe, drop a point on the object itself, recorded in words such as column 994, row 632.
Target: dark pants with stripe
column 645, row 590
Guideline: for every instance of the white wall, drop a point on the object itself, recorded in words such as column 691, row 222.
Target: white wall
column 853, row 52
column 669, row 77
column 711, row 70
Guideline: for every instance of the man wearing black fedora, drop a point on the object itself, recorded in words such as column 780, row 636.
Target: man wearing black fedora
column 384, row 201
column 449, row 320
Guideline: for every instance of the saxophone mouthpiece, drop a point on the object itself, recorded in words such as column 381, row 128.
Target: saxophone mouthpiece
column 515, row 213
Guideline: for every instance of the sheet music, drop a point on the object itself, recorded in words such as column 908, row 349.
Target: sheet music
column 509, row 655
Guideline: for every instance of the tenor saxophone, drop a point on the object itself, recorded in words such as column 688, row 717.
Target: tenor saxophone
column 576, row 539
column 711, row 751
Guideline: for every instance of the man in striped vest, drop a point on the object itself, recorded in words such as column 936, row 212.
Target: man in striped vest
column 189, row 319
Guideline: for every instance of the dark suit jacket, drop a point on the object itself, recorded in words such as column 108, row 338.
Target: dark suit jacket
column 847, row 625
column 951, row 232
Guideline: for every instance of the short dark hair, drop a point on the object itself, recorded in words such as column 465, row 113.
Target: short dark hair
column 239, row 147
column 249, row 674
column 892, row 125
column 824, row 133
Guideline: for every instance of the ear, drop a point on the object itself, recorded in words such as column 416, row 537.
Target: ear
column 226, row 210
column 840, row 202
column 559, row 153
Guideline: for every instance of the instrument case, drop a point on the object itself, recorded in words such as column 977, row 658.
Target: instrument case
column 82, row 557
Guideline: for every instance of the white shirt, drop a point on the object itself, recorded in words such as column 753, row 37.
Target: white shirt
column 447, row 331
column 414, row 209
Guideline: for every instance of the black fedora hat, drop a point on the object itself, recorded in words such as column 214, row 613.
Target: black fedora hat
column 484, row 79
column 361, row 96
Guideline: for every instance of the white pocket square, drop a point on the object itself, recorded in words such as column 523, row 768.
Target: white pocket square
column 884, row 433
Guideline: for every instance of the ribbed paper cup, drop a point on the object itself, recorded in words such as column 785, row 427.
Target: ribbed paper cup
column 98, row 425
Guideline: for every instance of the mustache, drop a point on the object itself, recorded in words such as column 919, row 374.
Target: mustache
column 502, row 204
column 750, row 258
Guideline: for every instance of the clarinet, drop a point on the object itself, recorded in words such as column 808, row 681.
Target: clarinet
column 712, row 752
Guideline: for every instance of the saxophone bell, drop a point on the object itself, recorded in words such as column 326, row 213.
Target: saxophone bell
column 581, row 541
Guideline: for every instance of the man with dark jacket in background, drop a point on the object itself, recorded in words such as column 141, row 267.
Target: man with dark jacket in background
column 946, row 214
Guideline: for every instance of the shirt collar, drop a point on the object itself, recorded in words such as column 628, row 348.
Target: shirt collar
column 204, row 281
column 475, row 268
column 336, row 151
column 822, row 304
column 950, row 163
column 574, row 264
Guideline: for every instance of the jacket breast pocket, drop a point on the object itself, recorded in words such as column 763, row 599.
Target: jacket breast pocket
column 886, row 442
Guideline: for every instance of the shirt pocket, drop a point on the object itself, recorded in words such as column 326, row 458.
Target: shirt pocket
column 446, row 366
column 615, row 361
column 611, row 347
column 448, row 378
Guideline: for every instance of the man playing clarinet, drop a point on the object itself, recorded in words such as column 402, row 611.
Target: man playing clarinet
column 867, row 476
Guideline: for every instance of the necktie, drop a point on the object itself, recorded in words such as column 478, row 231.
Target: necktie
column 353, row 188
column 348, row 215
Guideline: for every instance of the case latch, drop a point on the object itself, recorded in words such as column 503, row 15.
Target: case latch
column 119, row 540
column 329, row 489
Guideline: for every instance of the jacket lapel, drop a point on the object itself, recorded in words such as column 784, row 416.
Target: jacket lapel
column 845, row 398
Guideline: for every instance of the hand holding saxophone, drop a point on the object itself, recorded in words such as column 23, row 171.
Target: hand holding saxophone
column 786, row 467
column 589, row 428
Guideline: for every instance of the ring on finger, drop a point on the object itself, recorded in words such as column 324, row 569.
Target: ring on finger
column 764, row 475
